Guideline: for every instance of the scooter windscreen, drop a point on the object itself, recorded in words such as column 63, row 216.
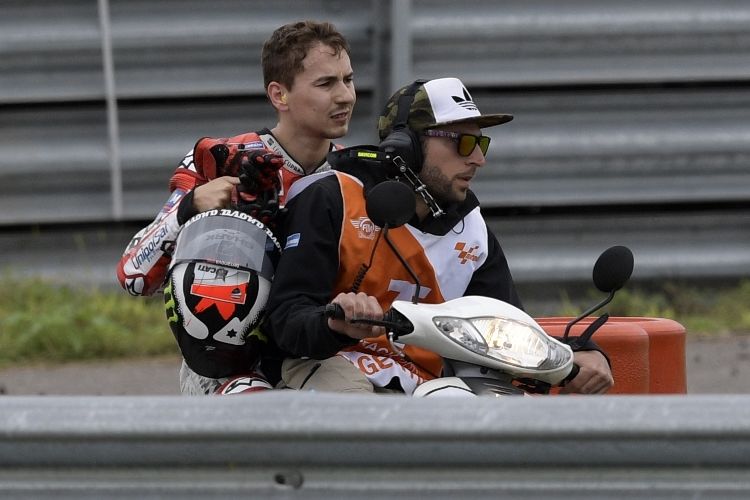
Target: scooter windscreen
column 227, row 238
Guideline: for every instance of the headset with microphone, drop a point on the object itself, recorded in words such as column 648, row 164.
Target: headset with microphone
column 399, row 154
column 402, row 141
column 404, row 148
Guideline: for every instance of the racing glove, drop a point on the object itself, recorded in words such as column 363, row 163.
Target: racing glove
column 260, row 184
column 259, row 171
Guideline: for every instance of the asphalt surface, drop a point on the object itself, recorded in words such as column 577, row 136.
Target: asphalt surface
column 714, row 366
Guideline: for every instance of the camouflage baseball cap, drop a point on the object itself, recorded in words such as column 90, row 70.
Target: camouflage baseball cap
column 444, row 101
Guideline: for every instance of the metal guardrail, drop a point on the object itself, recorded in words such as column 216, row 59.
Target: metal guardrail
column 621, row 146
column 713, row 245
column 182, row 48
column 581, row 42
column 50, row 51
column 589, row 148
column 567, row 146
column 63, row 152
column 644, row 104
column 540, row 249
column 321, row 446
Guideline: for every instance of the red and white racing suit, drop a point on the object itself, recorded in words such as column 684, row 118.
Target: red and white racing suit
column 143, row 267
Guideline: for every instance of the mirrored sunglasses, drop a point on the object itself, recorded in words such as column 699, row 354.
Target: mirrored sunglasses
column 465, row 143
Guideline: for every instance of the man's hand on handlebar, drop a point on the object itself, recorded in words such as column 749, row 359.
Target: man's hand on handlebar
column 594, row 377
column 357, row 306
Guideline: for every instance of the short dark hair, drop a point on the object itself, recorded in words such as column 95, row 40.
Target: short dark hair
column 288, row 45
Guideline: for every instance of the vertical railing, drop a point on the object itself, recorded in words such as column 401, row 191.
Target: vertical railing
column 401, row 44
column 113, row 132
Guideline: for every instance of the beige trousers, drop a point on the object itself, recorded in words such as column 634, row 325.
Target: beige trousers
column 335, row 374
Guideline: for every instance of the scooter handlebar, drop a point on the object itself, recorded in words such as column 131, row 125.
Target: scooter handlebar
column 573, row 374
column 334, row 311
column 392, row 320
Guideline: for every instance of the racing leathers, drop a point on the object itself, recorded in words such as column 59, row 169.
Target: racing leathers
column 328, row 240
column 144, row 265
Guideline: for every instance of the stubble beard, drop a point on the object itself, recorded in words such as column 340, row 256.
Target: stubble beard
column 440, row 186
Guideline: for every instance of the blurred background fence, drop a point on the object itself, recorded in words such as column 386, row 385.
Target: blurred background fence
column 632, row 119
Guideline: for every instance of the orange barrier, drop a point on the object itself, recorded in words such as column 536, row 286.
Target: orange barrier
column 647, row 354
column 666, row 354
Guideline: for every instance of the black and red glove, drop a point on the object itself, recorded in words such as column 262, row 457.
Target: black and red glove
column 260, row 184
column 259, row 171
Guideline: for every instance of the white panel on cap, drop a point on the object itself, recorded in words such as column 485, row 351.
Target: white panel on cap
column 450, row 100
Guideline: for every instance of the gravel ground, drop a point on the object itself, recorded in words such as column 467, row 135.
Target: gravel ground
column 718, row 366
column 714, row 366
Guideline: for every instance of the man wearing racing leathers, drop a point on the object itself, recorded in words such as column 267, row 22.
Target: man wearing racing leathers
column 330, row 243
column 309, row 81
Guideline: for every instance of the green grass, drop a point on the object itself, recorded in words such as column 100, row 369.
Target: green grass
column 41, row 321
column 45, row 322
column 704, row 311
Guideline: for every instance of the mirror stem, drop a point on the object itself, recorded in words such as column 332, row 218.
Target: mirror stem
column 586, row 313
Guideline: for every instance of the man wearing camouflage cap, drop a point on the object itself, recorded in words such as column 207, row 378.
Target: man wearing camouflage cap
column 435, row 128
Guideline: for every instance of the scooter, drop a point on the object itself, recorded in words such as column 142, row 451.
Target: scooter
column 489, row 347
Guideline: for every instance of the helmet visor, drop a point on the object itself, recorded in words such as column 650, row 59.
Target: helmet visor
column 239, row 242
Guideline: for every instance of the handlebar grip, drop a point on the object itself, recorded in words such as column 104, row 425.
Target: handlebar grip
column 334, row 311
column 573, row 374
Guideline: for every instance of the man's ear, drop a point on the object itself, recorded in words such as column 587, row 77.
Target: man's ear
column 277, row 94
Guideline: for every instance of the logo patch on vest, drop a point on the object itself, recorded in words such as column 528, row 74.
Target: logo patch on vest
column 366, row 229
column 466, row 255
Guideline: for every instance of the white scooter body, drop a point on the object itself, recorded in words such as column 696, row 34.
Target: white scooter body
column 520, row 348
column 488, row 346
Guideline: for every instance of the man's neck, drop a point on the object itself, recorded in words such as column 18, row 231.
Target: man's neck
column 421, row 210
column 308, row 152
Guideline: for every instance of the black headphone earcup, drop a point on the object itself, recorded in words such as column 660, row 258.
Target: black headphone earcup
column 405, row 143
column 416, row 147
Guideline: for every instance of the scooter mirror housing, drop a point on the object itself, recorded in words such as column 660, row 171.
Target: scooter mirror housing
column 391, row 203
column 613, row 269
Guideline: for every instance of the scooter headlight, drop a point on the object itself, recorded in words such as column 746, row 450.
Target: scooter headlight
column 506, row 340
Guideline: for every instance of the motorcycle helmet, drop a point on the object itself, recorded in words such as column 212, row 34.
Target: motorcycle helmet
column 217, row 287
